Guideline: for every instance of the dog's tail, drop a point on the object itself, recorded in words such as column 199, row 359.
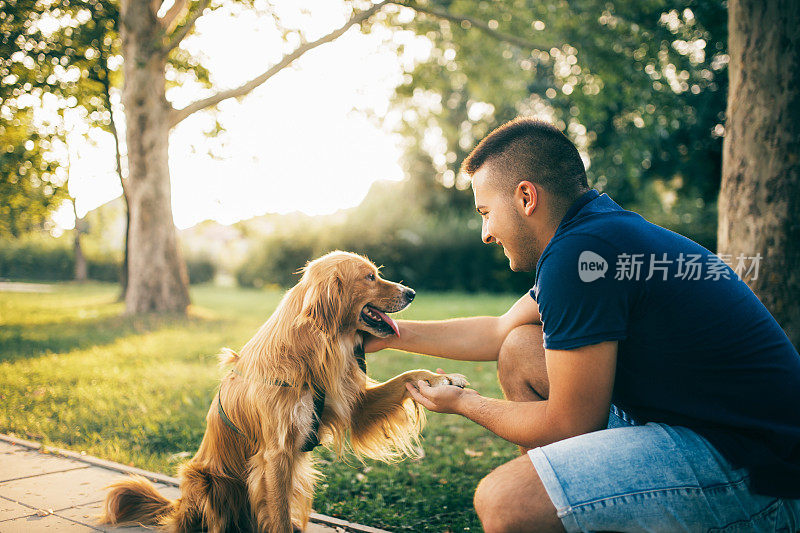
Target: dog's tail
column 136, row 501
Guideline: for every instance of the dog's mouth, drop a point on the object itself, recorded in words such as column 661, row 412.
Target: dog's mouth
column 378, row 321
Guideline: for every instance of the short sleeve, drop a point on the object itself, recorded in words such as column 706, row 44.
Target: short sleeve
column 580, row 301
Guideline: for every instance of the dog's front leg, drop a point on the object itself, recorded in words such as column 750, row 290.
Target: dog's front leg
column 270, row 492
column 386, row 421
column 391, row 393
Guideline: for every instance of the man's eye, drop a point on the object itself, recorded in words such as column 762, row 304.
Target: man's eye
column 371, row 277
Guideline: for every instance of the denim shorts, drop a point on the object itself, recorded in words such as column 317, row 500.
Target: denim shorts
column 653, row 477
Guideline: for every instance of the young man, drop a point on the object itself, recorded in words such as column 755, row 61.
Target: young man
column 626, row 317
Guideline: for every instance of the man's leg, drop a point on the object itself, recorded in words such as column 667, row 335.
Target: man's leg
column 521, row 366
column 652, row 477
column 513, row 499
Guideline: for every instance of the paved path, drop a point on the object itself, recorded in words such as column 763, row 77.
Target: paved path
column 47, row 489
column 16, row 286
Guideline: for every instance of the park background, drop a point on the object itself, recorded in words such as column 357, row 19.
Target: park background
column 267, row 133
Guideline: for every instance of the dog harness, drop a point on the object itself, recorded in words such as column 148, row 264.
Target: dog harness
column 361, row 357
column 312, row 440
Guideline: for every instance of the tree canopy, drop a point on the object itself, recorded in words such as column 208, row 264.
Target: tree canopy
column 639, row 86
column 51, row 65
column 60, row 66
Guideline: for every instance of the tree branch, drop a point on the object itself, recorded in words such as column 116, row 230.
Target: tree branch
column 178, row 115
column 480, row 24
column 184, row 30
column 170, row 19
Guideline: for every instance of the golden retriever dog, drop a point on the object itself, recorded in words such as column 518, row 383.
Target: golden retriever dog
column 300, row 380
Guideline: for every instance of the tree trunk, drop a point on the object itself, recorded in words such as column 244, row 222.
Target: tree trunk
column 760, row 193
column 81, row 269
column 124, row 273
column 157, row 279
column 118, row 158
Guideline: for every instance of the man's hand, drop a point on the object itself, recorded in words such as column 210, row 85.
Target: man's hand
column 376, row 344
column 464, row 339
column 441, row 398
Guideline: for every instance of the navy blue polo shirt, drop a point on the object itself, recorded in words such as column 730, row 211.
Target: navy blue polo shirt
column 696, row 346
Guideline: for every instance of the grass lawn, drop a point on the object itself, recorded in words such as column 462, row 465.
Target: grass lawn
column 75, row 373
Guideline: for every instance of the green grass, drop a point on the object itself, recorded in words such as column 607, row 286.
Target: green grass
column 76, row 373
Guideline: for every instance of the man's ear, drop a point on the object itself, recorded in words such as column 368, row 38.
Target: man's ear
column 322, row 302
column 527, row 194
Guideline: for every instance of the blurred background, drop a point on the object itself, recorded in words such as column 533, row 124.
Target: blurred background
column 357, row 143
column 167, row 166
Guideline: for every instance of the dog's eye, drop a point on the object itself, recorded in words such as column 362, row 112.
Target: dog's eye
column 371, row 276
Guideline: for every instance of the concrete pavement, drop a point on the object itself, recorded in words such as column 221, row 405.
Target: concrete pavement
column 47, row 489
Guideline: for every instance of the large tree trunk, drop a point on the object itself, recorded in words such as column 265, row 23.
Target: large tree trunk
column 157, row 279
column 760, row 195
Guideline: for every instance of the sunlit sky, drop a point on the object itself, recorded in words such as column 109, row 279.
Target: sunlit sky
column 303, row 141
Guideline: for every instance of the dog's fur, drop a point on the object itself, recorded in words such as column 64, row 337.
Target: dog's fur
column 262, row 481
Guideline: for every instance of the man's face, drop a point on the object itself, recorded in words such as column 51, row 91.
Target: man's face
column 504, row 223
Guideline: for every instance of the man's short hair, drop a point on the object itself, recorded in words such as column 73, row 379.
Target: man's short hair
column 527, row 149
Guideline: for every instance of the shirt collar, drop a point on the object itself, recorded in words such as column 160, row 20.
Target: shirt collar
column 577, row 205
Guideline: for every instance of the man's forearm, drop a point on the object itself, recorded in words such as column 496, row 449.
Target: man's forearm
column 465, row 339
column 527, row 424
column 521, row 423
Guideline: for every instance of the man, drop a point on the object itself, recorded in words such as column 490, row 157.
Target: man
column 624, row 317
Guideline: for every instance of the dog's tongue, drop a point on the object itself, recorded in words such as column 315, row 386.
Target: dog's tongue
column 389, row 320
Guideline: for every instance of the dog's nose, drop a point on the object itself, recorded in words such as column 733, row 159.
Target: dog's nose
column 410, row 294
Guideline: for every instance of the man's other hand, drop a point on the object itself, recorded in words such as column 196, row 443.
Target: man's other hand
column 441, row 398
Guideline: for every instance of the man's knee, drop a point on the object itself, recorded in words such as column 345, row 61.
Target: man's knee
column 521, row 360
column 489, row 507
column 504, row 503
column 517, row 347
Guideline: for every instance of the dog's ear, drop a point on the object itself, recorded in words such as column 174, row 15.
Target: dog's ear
column 322, row 302
column 227, row 357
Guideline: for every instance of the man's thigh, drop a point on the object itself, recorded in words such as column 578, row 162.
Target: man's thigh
column 652, row 477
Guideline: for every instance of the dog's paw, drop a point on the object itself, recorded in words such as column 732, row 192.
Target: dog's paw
column 458, row 380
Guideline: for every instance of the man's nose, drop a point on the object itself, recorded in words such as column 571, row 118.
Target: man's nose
column 486, row 236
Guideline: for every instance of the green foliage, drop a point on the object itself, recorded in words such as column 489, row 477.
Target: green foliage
column 424, row 251
column 43, row 258
column 30, row 187
column 201, row 270
column 59, row 59
column 37, row 260
column 75, row 373
column 54, row 61
column 438, row 255
column 102, row 267
column 276, row 260
column 639, row 86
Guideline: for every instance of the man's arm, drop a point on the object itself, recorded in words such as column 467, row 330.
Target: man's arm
column 466, row 339
column 581, row 381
